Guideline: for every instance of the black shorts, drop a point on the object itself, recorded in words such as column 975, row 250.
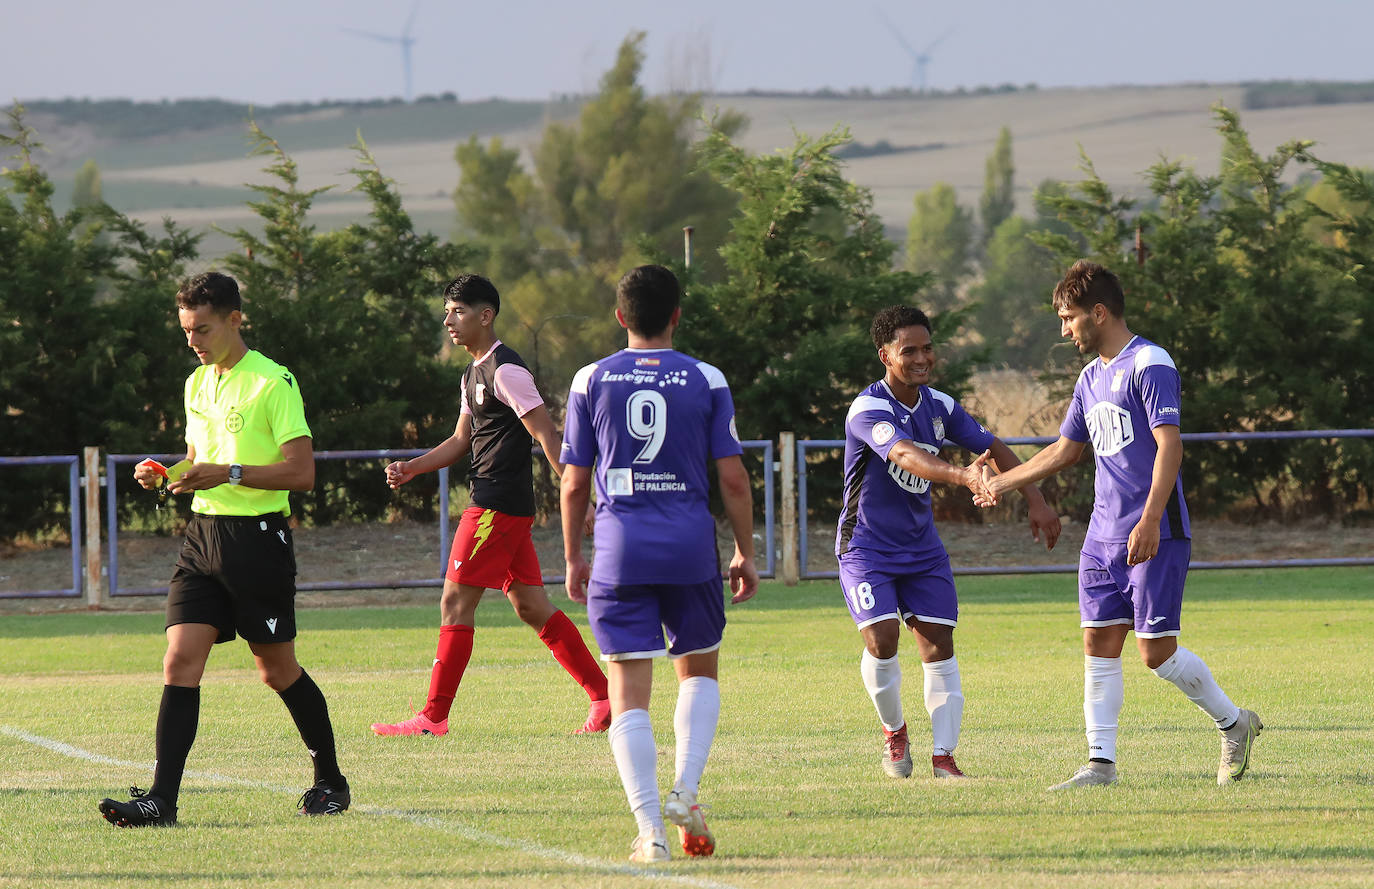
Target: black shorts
column 236, row 573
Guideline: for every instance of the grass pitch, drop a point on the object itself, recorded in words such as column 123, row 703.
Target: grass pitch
column 509, row 798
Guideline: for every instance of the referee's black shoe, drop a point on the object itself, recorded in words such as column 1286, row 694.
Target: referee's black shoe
column 324, row 798
column 141, row 811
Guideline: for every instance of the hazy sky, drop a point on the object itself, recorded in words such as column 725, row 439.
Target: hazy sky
column 268, row 51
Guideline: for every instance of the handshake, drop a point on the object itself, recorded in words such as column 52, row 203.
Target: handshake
column 988, row 487
column 982, row 480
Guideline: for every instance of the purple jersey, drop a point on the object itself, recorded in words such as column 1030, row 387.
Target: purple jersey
column 650, row 420
column 887, row 509
column 1115, row 405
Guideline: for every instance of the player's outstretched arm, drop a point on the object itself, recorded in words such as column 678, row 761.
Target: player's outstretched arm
column 739, row 510
column 926, row 465
column 1042, row 519
column 575, row 493
column 540, row 426
column 446, row 453
column 1051, row 459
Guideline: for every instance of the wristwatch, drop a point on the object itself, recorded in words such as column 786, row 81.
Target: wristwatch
column 235, row 473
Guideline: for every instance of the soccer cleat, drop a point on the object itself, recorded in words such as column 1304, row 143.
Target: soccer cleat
column 681, row 808
column 598, row 718
column 650, row 848
column 896, row 753
column 1235, row 747
column 419, row 724
column 1094, row 773
column 141, row 811
column 943, row 766
column 323, row 799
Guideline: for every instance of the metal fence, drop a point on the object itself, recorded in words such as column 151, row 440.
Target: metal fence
column 89, row 582
column 819, row 444
column 112, row 461
column 73, row 463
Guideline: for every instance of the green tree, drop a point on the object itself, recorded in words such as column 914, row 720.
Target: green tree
column 998, row 201
column 1013, row 313
column 940, row 243
column 355, row 314
column 807, row 267
column 86, row 191
column 1235, row 290
column 58, row 357
column 622, row 180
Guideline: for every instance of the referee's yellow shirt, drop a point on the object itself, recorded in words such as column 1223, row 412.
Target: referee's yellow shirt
column 243, row 416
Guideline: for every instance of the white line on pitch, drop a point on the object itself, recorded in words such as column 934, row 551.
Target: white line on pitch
column 429, row 821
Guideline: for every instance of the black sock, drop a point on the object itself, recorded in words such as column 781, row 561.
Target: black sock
column 176, row 732
column 311, row 714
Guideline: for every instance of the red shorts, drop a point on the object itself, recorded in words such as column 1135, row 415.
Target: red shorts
column 493, row 550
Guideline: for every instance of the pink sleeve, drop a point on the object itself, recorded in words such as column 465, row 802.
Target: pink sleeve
column 463, row 404
column 515, row 387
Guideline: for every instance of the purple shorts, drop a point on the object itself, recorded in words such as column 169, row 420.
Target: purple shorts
column 629, row 620
column 876, row 589
column 1148, row 596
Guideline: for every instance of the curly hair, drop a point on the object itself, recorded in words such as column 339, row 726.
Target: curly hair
column 892, row 319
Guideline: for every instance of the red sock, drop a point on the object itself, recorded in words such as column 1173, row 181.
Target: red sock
column 455, row 648
column 563, row 639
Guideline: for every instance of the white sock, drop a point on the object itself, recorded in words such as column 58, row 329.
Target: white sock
column 636, row 757
column 883, row 679
column 1104, row 691
column 694, row 721
column 1190, row 674
column 944, row 703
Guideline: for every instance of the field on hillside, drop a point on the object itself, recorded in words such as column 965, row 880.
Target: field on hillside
column 198, row 180
column 509, row 798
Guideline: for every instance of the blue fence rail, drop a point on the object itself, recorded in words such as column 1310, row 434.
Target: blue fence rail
column 766, row 452
column 820, row 444
column 73, row 463
column 112, row 461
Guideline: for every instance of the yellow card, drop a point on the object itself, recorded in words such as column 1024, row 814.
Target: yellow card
column 176, row 470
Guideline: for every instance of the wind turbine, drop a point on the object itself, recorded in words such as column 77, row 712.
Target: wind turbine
column 919, row 60
column 405, row 41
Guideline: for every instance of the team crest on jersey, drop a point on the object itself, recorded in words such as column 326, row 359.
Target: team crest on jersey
column 1116, row 380
column 939, row 425
column 481, row 393
column 1109, row 427
column 233, row 422
column 883, row 432
column 620, row 482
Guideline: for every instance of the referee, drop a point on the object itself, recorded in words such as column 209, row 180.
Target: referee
column 248, row 443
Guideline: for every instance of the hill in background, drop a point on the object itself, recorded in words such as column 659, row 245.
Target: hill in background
column 188, row 160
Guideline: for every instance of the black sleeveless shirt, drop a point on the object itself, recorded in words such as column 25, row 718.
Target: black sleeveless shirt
column 500, row 477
